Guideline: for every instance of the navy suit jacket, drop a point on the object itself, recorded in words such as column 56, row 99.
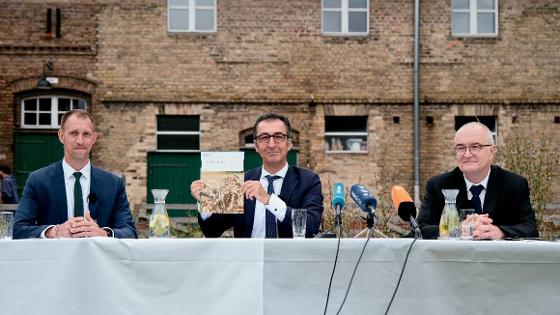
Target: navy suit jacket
column 43, row 203
column 506, row 202
column 301, row 189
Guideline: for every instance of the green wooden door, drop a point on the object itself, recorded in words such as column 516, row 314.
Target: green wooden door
column 33, row 151
column 173, row 171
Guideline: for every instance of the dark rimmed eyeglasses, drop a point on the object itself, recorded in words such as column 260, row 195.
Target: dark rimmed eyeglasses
column 473, row 148
column 278, row 137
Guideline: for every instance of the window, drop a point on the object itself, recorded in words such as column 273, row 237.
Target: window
column 191, row 15
column 178, row 133
column 489, row 121
column 345, row 17
column 346, row 134
column 474, row 17
column 46, row 111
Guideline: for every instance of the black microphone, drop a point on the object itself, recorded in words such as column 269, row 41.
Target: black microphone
column 407, row 212
column 363, row 198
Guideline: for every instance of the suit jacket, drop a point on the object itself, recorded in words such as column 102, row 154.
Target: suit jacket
column 301, row 189
column 506, row 202
column 43, row 203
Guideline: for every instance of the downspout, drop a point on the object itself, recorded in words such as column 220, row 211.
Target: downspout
column 416, row 105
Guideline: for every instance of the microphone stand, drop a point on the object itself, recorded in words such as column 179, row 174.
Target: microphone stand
column 370, row 220
column 337, row 224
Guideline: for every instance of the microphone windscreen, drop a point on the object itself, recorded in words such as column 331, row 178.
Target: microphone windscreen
column 406, row 210
column 338, row 198
column 363, row 198
column 399, row 194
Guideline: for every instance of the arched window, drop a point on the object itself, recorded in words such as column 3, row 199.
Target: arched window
column 46, row 111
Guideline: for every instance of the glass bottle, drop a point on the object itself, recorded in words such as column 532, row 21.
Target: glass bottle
column 449, row 223
column 159, row 220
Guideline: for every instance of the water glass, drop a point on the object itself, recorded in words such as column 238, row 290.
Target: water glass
column 299, row 220
column 467, row 223
column 6, row 224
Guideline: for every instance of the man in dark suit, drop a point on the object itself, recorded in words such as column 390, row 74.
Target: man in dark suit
column 499, row 197
column 271, row 191
column 72, row 198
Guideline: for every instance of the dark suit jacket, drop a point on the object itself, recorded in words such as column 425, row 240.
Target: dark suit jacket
column 301, row 189
column 43, row 203
column 506, row 202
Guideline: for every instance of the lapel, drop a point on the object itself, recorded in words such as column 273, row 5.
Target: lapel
column 289, row 184
column 491, row 198
column 94, row 189
column 458, row 182
column 59, row 189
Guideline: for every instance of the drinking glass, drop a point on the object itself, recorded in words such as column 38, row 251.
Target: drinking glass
column 6, row 224
column 299, row 220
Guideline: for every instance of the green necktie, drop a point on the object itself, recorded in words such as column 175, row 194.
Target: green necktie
column 78, row 199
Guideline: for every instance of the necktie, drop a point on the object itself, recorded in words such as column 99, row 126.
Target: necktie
column 476, row 190
column 270, row 221
column 78, row 199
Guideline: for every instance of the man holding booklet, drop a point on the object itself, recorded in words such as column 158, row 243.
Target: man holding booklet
column 270, row 191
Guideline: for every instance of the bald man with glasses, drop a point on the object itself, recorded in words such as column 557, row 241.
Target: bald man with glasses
column 499, row 197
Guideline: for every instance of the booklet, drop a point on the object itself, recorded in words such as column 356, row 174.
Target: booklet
column 222, row 174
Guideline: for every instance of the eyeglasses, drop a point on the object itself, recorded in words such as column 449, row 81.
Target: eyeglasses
column 473, row 148
column 278, row 137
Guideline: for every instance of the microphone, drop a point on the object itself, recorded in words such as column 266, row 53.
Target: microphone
column 406, row 208
column 338, row 199
column 363, row 198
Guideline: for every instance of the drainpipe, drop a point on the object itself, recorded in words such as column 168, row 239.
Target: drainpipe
column 416, row 105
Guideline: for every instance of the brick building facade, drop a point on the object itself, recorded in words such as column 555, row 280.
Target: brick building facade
column 120, row 57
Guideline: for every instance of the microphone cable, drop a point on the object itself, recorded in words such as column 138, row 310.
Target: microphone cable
column 334, row 268
column 369, row 233
column 400, row 276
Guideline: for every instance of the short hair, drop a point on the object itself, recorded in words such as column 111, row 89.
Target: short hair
column 273, row 116
column 5, row 169
column 77, row 112
column 479, row 125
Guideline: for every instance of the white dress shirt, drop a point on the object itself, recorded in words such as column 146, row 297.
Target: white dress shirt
column 482, row 195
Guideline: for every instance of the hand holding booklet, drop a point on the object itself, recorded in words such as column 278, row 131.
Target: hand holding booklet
column 222, row 174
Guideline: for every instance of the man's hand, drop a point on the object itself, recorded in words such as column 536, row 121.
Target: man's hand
column 485, row 230
column 80, row 227
column 196, row 188
column 253, row 189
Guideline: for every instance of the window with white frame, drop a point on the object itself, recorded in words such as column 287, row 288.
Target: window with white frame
column 46, row 111
column 489, row 121
column 178, row 133
column 474, row 17
column 346, row 134
column 191, row 15
column 345, row 17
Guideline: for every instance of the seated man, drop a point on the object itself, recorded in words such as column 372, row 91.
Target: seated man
column 54, row 197
column 9, row 187
column 271, row 191
column 499, row 196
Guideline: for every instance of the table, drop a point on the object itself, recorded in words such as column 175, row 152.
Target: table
column 255, row 276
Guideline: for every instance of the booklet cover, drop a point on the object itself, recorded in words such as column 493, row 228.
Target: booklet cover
column 222, row 174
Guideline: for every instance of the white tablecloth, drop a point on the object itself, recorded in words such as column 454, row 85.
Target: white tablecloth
column 288, row 277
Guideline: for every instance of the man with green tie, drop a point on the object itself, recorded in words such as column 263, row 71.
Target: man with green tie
column 72, row 198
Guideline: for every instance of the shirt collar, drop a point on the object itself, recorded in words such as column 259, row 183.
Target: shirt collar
column 69, row 171
column 282, row 172
column 484, row 182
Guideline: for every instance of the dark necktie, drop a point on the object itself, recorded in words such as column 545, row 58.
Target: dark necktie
column 78, row 199
column 270, row 229
column 476, row 190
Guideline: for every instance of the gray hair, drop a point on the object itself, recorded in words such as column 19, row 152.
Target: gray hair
column 478, row 125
